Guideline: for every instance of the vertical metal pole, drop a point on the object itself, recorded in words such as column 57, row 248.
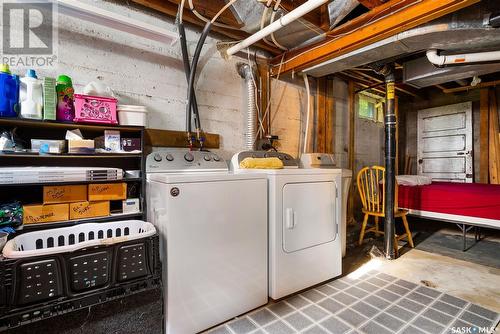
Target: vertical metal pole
column 390, row 160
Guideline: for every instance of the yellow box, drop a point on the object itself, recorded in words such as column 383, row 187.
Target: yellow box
column 81, row 210
column 64, row 194
column 107, row 191
column 39, row 213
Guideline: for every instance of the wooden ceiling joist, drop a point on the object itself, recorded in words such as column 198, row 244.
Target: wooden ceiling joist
column 170, row 8
column 381, row 22
column 372, row 3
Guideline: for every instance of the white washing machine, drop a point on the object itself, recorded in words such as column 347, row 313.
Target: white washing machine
column 304, row 218
column 327, row 161
column 213, row 228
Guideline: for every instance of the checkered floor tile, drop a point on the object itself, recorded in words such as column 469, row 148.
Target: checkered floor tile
column 375, row 303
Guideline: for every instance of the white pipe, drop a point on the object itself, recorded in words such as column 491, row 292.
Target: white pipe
column 283, row 21
column 116, row 21
column 480, row 57
column 308, row 111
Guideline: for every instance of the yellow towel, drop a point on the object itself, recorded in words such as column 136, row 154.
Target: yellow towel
column 261, row 163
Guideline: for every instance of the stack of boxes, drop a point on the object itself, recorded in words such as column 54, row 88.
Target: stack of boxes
column 69, row 202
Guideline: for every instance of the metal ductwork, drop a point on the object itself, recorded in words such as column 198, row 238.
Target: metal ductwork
column 467, row 30
column 251, row 113
column 297, row 33
column 421, row 73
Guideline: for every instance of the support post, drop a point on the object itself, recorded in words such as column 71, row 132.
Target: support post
column 352, row 125
column 390, row 123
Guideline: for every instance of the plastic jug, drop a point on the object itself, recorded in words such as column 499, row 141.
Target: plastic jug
column 31, row 96
column 65, row 100
column 9, row 92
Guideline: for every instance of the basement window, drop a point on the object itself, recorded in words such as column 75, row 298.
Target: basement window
column 370, row 108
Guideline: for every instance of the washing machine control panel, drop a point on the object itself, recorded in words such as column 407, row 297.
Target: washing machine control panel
column 179, row 160
column 287, row 159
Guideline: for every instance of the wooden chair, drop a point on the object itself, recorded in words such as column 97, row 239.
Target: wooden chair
column 371, row 186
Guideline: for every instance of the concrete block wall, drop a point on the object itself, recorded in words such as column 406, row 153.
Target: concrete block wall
column 150, row 73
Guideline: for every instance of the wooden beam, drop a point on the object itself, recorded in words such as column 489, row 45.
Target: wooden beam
column 483, row 136
column 381, row 22
column 372, row 3
column 170, row 138
column 480, row 85
column 170, row 9
column 210, row 8
column 321, row 114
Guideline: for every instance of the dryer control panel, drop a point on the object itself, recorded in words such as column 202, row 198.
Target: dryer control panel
column 182, row 160
column 287, row 159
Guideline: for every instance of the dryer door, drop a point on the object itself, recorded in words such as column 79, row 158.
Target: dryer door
column 309, row 215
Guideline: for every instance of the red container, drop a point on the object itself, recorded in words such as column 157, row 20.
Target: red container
column 95, row 109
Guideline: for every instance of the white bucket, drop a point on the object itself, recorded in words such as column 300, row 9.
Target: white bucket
column 132, row 115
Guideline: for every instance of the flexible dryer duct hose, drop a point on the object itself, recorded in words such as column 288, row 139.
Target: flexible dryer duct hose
column 251, row 113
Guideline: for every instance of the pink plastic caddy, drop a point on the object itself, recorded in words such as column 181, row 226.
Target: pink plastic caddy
column 95, row 109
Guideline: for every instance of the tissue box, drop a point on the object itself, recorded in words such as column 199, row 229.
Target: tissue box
column 81, row 210
column 81, row 146
column 33, row 214
column 48, row 146
column 64, row 194
column 95, row 109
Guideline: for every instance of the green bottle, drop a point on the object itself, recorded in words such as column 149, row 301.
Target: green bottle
column 65, row 99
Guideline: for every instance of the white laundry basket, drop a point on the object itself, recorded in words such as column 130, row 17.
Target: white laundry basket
column 68, row 239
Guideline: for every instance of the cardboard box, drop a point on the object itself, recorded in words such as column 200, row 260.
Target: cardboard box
column 81, row 146
column 107, row 191
column 64, row 194
column 81, row 210
column 39, row 213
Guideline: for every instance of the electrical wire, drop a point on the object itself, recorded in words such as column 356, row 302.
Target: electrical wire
column 269, row 98
column 263, row 23
column 226, row 6
column 273, row 15
column 201, row 17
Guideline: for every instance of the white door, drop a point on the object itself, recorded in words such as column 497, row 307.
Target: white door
column 309, row 214
column 445, row 143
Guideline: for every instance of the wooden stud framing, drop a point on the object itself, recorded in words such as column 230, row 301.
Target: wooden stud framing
column 483, row 136
column 321, row 115
column 330, row 118
column 494, row 141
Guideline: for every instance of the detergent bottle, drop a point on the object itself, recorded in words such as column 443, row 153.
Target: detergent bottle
column 31, row 96
column 65, row 92
column 9, row 92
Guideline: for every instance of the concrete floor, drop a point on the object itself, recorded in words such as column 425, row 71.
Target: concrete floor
column 473, row 282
